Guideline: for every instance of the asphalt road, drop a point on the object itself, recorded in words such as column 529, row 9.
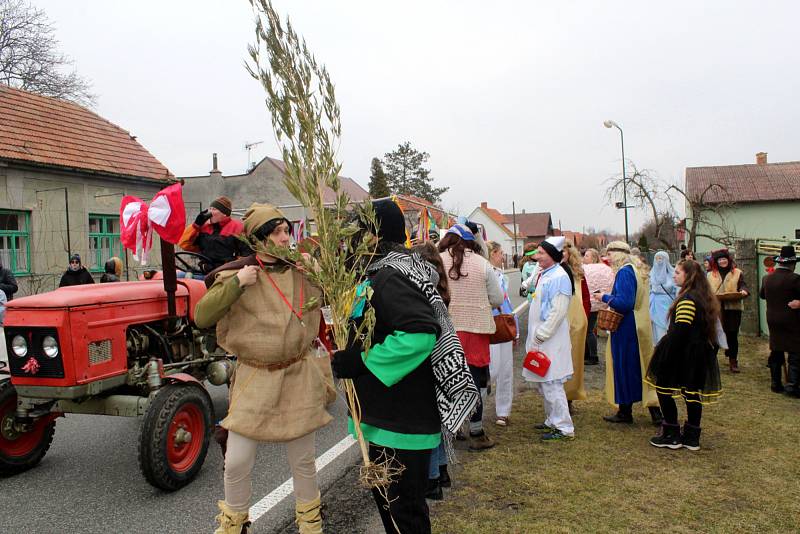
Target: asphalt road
column 89, row 482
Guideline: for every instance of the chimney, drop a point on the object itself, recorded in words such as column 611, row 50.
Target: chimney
column 215, row 170
column 484, row 205
column 761, row 158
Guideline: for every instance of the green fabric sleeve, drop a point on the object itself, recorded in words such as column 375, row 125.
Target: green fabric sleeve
column 216, row 302
column 396, row 440
column 398, row 355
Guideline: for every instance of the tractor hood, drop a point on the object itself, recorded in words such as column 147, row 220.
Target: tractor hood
column 94, row 294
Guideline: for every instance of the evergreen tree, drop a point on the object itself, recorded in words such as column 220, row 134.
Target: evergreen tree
column 406, row 174
column 378, row 186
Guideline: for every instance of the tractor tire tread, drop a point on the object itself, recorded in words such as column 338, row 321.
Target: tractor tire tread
column 152, row 462
column 14, row 468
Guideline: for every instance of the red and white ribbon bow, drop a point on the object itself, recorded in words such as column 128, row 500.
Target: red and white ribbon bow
column 165, row 214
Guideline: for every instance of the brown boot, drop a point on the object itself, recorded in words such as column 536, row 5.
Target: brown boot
column 480, row 442
column 308, row 516
column 231, row 522
column 734, row 365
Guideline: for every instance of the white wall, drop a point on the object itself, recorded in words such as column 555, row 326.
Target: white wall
column 495, row 233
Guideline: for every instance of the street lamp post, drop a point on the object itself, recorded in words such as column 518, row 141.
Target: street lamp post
column 612, row 124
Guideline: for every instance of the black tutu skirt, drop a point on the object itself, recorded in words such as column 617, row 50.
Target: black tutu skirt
column 691, row 371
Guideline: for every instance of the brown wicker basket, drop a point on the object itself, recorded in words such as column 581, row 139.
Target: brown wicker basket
column 729, row 297
column 608, row 319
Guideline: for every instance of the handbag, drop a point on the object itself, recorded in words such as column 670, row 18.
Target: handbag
column 536, row 362
column 505, row 329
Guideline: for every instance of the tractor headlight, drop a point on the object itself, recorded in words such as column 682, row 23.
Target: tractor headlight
column 50, row 346
column 19, row 346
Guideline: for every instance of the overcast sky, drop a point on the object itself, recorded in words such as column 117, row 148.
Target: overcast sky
column 507, row 97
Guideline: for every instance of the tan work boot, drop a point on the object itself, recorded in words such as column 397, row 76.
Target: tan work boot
column 308, row 516
column 231, row 522
column 480, row 442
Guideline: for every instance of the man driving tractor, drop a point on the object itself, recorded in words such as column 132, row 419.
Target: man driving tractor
column 214, row 234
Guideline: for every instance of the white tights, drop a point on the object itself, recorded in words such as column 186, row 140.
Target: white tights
column 241, row 457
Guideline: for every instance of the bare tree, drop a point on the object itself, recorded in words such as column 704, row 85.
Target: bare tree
column 29, row 56
column 646, row 191
column 713, row 217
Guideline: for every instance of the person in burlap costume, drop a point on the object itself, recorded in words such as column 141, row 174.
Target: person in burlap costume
column 280, row 387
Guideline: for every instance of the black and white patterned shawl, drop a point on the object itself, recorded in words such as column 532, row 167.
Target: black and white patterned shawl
column 456, row 393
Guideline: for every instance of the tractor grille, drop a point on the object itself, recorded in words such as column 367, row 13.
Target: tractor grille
column 99, row 351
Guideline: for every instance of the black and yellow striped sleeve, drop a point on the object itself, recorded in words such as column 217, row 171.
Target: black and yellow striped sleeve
column 684, row 312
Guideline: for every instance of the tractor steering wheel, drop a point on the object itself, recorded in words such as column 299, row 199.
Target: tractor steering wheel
column 191, row 262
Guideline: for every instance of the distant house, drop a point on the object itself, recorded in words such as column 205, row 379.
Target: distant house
column 55, row 154
column 531, row 227
column 498, row 228
column 264, row 183
column 760, row 200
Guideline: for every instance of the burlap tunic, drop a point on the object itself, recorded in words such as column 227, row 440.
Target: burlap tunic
column 260, row 329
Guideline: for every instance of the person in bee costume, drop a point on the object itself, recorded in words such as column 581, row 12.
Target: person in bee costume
column 280, row 387
column 684, row 363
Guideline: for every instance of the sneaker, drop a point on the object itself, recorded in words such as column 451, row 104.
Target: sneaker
column 542, row 427
column 501, row 421
column 480, row 442
column 669, row 437
column 690, row 438
column 556, row 435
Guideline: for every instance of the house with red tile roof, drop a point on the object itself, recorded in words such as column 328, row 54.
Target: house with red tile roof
column 533, row 227
column 757, row 200
column 263, row 183
column 499, row 228
column 63, row 171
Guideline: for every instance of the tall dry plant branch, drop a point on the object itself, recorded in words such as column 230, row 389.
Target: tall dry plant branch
column 306, row 120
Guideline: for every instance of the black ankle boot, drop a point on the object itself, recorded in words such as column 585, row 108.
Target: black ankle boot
column 775, row 372
column 669, row 437
column 690, row 439
column 434, row 490
column 792, row 387
column 444, row 477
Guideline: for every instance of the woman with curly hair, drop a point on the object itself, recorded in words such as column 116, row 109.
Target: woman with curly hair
column 685, row 363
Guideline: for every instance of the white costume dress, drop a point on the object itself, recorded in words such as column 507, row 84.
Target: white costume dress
column 548, row 332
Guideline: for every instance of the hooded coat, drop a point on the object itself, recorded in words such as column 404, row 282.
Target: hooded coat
column 76, row 278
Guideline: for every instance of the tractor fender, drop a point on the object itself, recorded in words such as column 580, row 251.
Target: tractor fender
column 183, row 378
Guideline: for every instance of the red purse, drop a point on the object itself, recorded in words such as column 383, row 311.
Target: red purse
column 536, row 362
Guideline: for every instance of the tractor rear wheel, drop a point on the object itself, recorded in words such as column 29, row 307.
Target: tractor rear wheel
column 175, row 434
column 20, row 451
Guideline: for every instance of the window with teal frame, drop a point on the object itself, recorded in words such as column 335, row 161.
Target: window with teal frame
column 15, row 241
column 104, row 241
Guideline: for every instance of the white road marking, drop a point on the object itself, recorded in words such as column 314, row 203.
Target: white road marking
column 287, row 488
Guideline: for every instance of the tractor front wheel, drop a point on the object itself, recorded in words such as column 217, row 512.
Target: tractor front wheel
column 21, row 450
column 175, row 434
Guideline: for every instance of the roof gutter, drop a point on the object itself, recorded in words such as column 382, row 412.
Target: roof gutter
column 168, row 180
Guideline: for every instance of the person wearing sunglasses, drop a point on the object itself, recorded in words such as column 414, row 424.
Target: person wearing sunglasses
column 76, row 274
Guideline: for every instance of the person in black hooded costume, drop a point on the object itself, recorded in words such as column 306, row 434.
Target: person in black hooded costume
column 395, row 384
column 76, row 274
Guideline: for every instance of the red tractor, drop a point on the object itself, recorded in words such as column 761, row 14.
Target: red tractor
column 124, row 349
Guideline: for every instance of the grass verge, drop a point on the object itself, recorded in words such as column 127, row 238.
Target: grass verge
column 609, row 479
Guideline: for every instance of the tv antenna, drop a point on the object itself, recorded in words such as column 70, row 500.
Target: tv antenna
column 249, row 147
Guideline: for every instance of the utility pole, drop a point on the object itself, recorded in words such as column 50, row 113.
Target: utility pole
column 514, row 222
